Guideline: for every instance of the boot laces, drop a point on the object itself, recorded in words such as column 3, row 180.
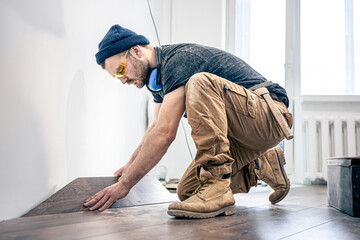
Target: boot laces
column 202, row 186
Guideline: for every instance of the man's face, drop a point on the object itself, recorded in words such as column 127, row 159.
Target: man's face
column 136, row 69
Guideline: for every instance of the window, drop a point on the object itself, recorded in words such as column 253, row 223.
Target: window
column 323, row 49
column 356, row 28
column 267, row 38
column 260, row 27
column 330, row 46
column 330, row 42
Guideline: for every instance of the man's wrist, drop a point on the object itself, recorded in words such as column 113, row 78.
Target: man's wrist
column 123, row 184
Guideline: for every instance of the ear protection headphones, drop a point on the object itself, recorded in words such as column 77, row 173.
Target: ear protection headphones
column 153, row 80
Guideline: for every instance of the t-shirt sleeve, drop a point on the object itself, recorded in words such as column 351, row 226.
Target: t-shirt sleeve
column 179, row 68
column 157, row 97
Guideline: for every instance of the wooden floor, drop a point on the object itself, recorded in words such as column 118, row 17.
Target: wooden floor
column 71, row 197
column 303, row 214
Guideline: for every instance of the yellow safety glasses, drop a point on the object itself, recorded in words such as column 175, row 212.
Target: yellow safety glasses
column 121, row 70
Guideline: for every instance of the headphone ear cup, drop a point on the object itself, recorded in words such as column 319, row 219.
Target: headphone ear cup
column 152, row 82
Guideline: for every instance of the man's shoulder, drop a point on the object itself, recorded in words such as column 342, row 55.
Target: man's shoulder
column 179, row 47
column 188, row 48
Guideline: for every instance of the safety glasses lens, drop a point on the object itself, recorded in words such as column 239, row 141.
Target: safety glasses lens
column 121, row 71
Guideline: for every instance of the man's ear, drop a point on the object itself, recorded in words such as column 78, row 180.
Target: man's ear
column 137, row 51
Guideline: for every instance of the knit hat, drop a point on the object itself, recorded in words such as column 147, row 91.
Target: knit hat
column 117, row 40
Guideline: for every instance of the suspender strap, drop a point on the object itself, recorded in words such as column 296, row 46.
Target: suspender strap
column 261, row 85
column 276, row 113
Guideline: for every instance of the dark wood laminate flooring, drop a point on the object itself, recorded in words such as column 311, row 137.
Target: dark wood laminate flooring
column 71, row 197
column 303, row 214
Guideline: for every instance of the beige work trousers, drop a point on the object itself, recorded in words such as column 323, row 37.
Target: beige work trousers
column 231, row 127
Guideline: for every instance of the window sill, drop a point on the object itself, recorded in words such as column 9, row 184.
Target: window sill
column 330, row 98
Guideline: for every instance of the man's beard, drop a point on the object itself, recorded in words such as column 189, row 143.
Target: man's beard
column 142, row 71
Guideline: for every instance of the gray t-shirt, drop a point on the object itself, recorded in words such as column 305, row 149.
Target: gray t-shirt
column 181, row 61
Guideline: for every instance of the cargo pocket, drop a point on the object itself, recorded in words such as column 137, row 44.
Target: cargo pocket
column 240, row 99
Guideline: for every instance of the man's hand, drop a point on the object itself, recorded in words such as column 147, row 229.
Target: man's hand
column 106, row 197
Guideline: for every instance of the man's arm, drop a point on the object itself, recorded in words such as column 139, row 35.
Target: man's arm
column 153, row 149
column 123, row 169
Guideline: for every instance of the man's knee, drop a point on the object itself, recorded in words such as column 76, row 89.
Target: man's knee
column 198, row 81
column 201, row 77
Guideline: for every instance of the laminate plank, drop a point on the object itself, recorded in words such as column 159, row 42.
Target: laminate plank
column 299, row 198
column 249, row 223
column 345, row 227
column 84, row 225
column 71, row 197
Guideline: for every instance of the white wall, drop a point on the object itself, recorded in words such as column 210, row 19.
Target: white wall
column 199, row 21
column 62, row 116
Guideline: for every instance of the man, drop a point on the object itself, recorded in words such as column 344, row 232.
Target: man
column 234, row 129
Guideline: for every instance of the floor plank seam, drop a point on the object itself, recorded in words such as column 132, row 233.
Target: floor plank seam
column 308, row 229
column 307, row 208
column 271, row 205
column 51, row 226
column 124, row 232
column 304, row 209
column 95, row 236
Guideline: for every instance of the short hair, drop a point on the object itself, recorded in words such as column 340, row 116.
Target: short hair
column 102, row 64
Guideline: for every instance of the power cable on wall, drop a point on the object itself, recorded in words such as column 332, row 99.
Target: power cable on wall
column 182, row 124
column 152, row 18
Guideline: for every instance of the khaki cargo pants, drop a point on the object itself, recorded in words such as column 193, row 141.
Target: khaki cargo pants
column 231, row 127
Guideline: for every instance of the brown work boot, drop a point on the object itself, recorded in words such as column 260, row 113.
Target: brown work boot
column 271, row 171
column 212, row 198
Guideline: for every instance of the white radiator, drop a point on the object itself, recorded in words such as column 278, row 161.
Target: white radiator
column 328, row 135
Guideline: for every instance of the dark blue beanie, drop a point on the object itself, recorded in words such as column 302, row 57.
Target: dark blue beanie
column 117, row 40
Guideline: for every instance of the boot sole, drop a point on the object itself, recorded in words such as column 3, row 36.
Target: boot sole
column 229, row 210
column 282, row 162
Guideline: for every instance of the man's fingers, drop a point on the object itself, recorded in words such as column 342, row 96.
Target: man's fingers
column 91, row 198
column 94, row 199
column 109, row 202
column 100, row 193
column 100, row 203
column 105, row 198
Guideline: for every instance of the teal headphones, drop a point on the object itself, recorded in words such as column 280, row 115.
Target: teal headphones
column 153, row 80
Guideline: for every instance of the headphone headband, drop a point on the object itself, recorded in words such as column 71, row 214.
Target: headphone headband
column 158, row 54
